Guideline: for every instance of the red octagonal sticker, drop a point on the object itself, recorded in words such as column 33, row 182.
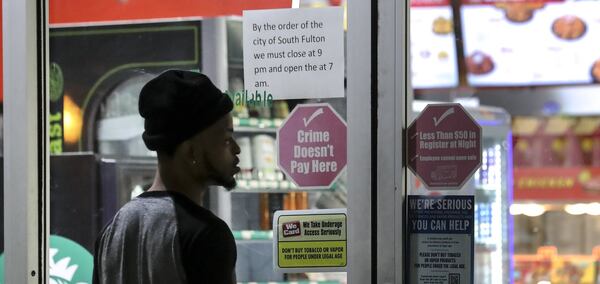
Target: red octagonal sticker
column 311, row 146
column 444, row 146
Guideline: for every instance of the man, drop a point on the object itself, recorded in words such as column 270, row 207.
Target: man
column 164, row 236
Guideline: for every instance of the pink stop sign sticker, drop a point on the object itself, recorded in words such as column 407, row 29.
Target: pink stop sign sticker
column 312, row 146
column 444, row 146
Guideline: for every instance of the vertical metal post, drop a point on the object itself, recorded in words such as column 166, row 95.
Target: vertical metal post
column 215, row 66
column 388, row 142
column 25, row 136
column 392, row 79
column 386, row 52
column 358, row 96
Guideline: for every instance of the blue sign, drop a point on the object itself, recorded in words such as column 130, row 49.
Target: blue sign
column 440, row 239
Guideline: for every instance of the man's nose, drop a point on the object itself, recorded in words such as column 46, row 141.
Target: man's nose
column 236, row 148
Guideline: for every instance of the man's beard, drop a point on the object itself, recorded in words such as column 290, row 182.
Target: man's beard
column 217, row 178
column 228, row 184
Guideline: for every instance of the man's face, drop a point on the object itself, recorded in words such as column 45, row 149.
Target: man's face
column 220, row 152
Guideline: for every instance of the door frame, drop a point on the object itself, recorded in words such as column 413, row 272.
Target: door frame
column 26, row 182
column 377, row 38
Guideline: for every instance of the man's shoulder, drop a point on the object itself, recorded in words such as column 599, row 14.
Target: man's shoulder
column 195, row 219
column 146, row 206
column 143, row 210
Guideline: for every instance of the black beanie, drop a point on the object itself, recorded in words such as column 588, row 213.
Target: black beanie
column 178, row 104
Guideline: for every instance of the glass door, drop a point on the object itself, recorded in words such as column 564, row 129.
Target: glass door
column 294, row 57
column 323, row 69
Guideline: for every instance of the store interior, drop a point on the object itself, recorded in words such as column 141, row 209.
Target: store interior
column 546, row 81
column 527, row 71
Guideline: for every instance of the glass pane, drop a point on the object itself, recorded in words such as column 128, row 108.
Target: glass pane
column 490, row 187
column 536, row 202
column 100, row 162
column 1, row 148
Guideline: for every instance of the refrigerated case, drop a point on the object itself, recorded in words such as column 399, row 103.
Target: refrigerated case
column 556, row 208
column 549, row 266
column 492, row 187
column 125, row 168
column 262, row 187
column 262, row 191
column 248, row 208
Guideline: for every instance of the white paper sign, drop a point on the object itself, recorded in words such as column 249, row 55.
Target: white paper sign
column 294, row 53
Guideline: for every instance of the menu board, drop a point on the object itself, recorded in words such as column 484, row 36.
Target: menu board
column 531, row 42
column 433, row 48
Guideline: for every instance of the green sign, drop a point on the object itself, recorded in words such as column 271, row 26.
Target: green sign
column 57, row 82
column 69, row 263
column 311, row 240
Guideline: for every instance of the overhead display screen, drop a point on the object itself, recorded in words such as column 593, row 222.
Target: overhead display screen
column 433, row 47
column 524, row 43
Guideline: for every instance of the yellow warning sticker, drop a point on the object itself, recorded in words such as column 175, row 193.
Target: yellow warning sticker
column 311, row 239
column 312, row 254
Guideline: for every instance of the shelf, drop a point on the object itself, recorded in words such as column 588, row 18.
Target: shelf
column 248, row 235
column 486, row 194
column 269, row 186
column 485, row 246
column 256, row 125
column 293, row 282
column 492, row 188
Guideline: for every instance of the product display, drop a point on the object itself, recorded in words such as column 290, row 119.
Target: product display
column 433, row 55
column 263, row 157
column 519, row 12
column 489, row 184
column 245, row 157
column 442, row 26
column 301, row 200
column 479, row 63
column 236, row 86
column 547, row 265
column 569, row 27
column 556, row 181
column 566, row 142
column 240, row 111
column 280, row 109
column 265, row 212
column 289, row 201
column 595, row 72
column 531, row 42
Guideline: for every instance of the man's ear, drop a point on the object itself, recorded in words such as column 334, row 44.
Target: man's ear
column 197, row 146
column 186, row 152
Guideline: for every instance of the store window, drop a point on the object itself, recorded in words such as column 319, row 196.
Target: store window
column 2, row 140
column 99, row 161
column 527, row 73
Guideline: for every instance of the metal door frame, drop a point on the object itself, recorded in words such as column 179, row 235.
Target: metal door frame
column 378, row 80
column 26, row 183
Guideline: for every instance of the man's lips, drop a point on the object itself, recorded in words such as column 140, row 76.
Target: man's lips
column 235, row 165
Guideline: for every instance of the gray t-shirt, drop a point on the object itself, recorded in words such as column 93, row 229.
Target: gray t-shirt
column 162, row 237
